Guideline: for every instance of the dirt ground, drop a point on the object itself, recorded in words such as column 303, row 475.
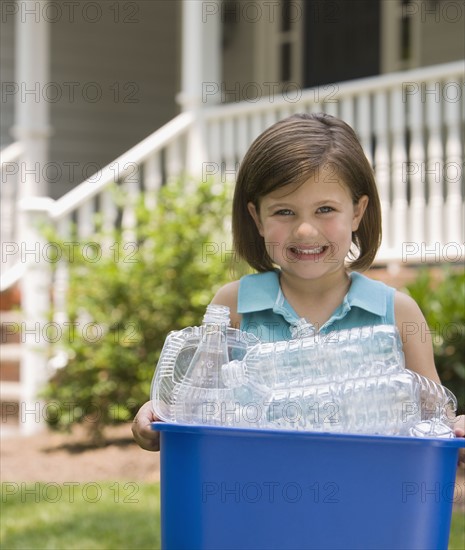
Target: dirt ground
column 60, row 458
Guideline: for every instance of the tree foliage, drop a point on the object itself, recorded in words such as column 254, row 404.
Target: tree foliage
column 121, row 308
column 442, row 300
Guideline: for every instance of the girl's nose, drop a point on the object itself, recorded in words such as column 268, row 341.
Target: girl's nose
column 305, row 229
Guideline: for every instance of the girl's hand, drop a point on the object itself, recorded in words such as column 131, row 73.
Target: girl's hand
column 145, row 437
column 459, row 430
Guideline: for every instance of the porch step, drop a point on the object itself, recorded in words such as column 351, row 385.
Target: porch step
column 10, row 299
column 10, row 327
column 10, row 362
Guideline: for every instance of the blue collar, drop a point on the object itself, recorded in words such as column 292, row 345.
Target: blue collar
column 364, row 293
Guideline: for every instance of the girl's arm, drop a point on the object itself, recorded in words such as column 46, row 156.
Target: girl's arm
column 416, row 337
column 418, row 347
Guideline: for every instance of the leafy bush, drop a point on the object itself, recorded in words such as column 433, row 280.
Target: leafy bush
column 121, row 308
column 442, row 300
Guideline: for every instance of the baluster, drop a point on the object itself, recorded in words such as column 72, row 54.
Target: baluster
column 414, row 171
column 85, row 219
column 256, row 126
column 329, row 105
column 228, row 149
column 317, row 100
column 242, row 137
column 453, row 172
column 305, row 104
column 213, row 167
column 131, row 187
column 434, row 168
column 109, row 214
column 271, row 116
column 347, row 110
column 399, row 158
column 174, row 160
column 61, row 276
column 382, row 171
column 153, row 179
column 364, row 125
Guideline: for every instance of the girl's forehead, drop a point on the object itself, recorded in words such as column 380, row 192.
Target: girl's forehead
column 319, row 183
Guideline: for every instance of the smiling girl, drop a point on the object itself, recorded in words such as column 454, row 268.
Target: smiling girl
column 307, row 217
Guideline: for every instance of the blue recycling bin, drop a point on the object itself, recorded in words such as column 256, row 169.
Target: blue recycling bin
column 231, row 488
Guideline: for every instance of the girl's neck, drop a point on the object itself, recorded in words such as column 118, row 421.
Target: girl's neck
column 315, row 300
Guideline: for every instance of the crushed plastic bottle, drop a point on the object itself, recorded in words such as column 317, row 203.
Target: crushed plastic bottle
column 432, row 428
column 187, row 385
column 351, row 381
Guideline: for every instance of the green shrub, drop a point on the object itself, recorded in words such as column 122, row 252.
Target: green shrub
column 442, row 300
column 121, row 308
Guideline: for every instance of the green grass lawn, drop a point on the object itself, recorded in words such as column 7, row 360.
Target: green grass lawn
column 457, row 532
column 115, row 515
column 88, row 516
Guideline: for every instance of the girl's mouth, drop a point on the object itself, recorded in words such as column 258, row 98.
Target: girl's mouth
column 312, row 253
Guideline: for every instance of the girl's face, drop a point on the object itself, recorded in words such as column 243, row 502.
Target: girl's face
column 308, row 228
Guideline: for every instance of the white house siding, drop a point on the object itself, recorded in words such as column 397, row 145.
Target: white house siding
column 118, row 75
column 6, row 79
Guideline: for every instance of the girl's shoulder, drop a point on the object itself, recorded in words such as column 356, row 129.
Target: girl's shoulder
column 409, row 316
column 246, row 290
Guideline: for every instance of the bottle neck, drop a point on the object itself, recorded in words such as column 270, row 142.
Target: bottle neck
column 216, row 315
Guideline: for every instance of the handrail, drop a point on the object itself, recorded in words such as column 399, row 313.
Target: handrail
column 137, row 154
column 367, row 85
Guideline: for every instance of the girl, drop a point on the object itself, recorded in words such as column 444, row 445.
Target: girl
column 307, row 217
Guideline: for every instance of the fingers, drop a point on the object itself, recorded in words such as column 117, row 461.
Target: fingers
column 142, row 431
column 459, row 426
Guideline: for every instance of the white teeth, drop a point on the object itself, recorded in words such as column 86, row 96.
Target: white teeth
column 309, row 251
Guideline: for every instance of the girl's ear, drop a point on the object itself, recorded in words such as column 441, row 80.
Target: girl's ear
column 359, row 210
column 255, row 216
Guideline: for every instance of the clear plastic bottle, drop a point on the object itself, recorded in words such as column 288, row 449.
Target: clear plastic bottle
column 187, row 385
column 332, row 357
column 202, row 389
column 347, row 381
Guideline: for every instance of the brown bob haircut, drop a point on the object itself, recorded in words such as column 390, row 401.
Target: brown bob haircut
column 291, row 151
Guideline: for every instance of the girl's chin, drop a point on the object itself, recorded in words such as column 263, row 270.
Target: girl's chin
column 308, row 270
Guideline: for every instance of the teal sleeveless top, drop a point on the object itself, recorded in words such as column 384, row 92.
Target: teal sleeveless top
column 267, row 314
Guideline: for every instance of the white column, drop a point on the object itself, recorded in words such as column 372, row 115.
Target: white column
column 200, row 72
column 35, row 305
column 201, row 54
column 32, row 129
column 32, row 51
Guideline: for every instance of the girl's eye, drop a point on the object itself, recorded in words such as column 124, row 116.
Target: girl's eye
column 284, row 212
column 325, row 209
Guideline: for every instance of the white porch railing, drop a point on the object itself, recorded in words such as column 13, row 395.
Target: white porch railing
column 410, row 125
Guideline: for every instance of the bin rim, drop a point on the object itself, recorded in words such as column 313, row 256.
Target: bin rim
column 457, row 442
